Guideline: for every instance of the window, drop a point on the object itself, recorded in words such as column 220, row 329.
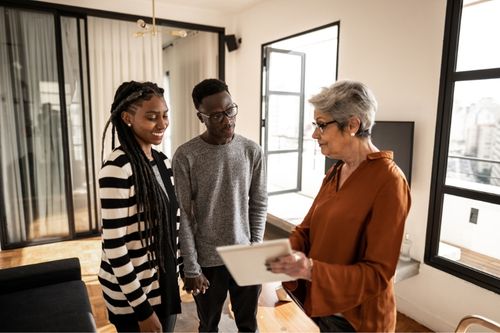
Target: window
column 294, row 68
column 463, row 235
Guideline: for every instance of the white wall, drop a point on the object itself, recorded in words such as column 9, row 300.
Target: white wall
column 456, row 229
column 395, row 47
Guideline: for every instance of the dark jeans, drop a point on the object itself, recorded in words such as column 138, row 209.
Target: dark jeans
column 333, row 324
column 130, row 324
column 244, row 301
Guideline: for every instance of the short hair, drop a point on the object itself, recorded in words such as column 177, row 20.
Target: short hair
column 206, row 88
column 345, row 99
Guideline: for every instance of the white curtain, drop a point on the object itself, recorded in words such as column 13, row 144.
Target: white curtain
column 9, row 140
column 31, row 139
column 115, row 56
column 189, row 60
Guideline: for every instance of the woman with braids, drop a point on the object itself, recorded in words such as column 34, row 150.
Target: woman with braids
column 139, row 269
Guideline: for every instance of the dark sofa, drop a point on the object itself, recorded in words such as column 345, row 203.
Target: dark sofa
column 45, row 297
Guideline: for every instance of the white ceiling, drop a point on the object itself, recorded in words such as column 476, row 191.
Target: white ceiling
column 226, row 6
column 222, row 6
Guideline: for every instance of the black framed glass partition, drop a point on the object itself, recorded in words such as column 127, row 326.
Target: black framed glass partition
column 50, row 121
column 46, row 189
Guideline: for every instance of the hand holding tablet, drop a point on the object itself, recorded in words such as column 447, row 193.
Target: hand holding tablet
column 247, row 263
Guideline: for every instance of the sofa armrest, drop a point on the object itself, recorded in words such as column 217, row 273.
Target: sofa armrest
column 38, row 275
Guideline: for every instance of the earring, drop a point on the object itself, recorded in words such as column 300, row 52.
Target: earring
column 352, row 134
column 129, row 125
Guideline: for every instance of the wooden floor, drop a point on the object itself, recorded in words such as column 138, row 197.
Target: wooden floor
column 89, row 253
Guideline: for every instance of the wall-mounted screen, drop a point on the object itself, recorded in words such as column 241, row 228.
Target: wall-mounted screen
column 396, row 136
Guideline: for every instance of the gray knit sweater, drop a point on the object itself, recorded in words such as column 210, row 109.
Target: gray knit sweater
column 222, row 195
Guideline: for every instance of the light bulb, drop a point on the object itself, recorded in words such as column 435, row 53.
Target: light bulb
column 142, row 24
column 179, row 33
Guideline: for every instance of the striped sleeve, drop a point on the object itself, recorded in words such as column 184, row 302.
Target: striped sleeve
column 125, row 274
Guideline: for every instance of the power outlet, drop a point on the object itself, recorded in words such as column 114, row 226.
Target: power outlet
column 474, row 212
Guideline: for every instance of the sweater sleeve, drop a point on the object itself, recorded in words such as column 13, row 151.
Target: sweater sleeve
column 258, row 199
column 117, row 206
column 187, row 228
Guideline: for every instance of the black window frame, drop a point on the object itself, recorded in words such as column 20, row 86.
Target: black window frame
column 449, row 76
column 264, row 122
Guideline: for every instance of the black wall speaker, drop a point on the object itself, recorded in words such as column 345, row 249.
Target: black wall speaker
column 231, row 42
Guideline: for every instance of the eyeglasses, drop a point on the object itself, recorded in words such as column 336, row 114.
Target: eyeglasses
column 230, row 112
column 322, row 126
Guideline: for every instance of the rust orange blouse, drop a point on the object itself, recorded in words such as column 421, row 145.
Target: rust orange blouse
column 353, row 234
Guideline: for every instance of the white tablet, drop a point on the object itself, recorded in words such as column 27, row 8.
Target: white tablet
column 247, row 263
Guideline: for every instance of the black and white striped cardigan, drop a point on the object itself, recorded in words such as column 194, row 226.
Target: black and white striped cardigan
column 129, row 283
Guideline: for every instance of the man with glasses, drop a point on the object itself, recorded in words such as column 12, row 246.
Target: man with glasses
column 221, row 187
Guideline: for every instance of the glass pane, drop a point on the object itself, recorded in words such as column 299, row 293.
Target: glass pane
column 320, row 49
column 284, row 122
column 285, row 72
column 282, row 172
column 313, row 163
column 479, row 28
column 470, row 233
column 291, row 207
column 76, row 128
column 474, row 150
column 88, row 127
column 32, row 168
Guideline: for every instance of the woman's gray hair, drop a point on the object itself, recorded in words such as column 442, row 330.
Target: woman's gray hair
column 345, row 99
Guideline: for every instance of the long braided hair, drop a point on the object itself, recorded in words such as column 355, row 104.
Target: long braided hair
column 152, row 203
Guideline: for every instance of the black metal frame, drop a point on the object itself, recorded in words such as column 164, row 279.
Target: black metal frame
column 263, row 99
column 87, row 121
column 263, row 63
column 443, row 124
column 64, row 128
column 300, row 94
column 81, row 13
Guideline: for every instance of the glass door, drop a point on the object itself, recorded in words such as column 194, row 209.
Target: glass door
column 284, row 114
column 78, row 124
column 45, row 183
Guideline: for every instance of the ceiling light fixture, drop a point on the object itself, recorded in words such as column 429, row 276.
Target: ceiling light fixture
column 146, row 28
column 153, row 29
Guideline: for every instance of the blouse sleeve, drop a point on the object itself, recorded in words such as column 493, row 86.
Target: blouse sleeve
column 341, row 287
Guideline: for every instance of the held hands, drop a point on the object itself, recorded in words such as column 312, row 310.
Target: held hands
column 151, row 324
column 196, row 285
column 297, row 265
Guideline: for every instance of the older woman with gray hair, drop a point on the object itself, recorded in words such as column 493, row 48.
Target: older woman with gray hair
column 346, row 249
